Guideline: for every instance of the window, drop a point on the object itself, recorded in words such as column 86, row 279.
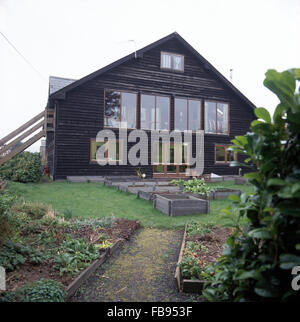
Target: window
column 113, row 150
column 172, row 61
column 187, row 114
column 155, row 112
column 170, row 158
column 223, row 155
column 216, row 117
column 120, row 109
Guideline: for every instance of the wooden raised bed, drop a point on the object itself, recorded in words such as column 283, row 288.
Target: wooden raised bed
column 185, row 285
column 240, row 181
column 225, row 193
column 180, row 204
column 84, row 275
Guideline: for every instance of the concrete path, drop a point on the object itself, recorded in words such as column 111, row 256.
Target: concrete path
column 142, row 271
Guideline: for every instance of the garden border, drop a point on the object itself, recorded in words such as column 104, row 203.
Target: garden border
column 84, row 275
column 185, row 285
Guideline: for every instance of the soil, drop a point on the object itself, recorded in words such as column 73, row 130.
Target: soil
column 27, row 272
column 213, row 241
column 143, row 271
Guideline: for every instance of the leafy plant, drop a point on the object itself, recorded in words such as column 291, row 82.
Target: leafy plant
column 195, row 228
column 6, row 201
column 39, row 291
column 67, row 214
column 194, row 186
column 12, row 255
column 257, row 262
column 73, row 255
column 25, row 167
column 32, row 209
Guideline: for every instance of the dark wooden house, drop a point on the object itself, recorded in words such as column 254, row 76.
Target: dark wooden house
column 168, row 86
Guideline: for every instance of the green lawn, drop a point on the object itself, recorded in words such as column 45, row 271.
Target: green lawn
column 97, row 200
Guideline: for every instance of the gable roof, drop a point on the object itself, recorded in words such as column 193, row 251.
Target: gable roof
column 57, row 83
column 139, row 53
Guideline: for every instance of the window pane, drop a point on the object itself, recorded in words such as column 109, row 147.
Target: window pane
column 210, row 117
column 222, row 110
column 148, row 112
column 180, row 114
column 113, row 151
column 177, row 62
column 166, row 60
column 182, row 168
column 194, row 115
column 220, row 153
column 112, row 109
column 171, row 168
column 94, row 147
column 158, row 169
column 128, row 118
column 162, row 113
column 230, row 156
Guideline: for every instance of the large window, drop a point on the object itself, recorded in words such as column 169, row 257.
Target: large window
column 155, row 112
column 223, row 155
column 216, row 117
column 120, row 109
column 172, row 61
column 187, row 114
column 113, row 150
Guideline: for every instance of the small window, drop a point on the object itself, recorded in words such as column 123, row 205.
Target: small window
column 113, row 150
column 172, row 61
column 223, row 155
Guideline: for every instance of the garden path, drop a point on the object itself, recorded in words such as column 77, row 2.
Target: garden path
column 142, row 271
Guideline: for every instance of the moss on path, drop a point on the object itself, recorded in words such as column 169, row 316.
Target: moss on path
column 142, row 271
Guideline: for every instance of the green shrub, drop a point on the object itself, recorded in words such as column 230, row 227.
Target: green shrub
column 40, row 291
column 25, row 167
column 6, row 201
column 258, row 260
column 32, row 209
column 13, row 255
column 197, row 186
column 74, row 255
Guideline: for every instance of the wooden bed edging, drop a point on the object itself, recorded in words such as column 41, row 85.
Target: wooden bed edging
column 84, row 275
column 185, row 285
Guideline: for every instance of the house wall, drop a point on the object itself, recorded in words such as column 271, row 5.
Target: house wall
column 81, row 115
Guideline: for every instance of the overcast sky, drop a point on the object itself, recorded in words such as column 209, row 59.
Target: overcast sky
column 72, row 38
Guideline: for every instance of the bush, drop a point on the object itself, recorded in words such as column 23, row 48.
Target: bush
column 6, row 201
column 25, row 167
column 258, row 260
column 40, row 291
column 32, row 209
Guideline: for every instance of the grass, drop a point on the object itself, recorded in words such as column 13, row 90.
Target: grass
column 96, row 200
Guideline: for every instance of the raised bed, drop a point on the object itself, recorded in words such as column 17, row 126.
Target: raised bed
column 240, row 181
column 213, row 241
column 84, row 275
column 151, row 195
column 218, row 194
column 225, row 193
column 185, row 285
column 180, row 204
